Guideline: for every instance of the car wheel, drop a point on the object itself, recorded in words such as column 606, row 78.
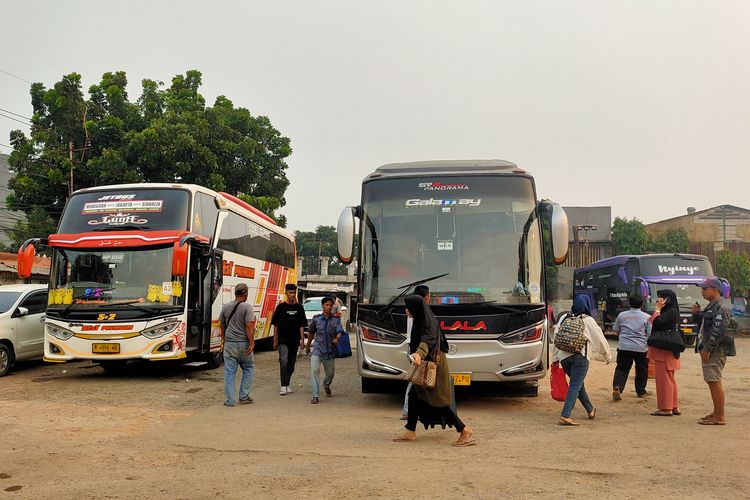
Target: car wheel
column 6, row 359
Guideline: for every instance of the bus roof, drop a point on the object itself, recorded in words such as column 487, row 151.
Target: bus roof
column 621, row 260
column 233, row 203
column 446, row 167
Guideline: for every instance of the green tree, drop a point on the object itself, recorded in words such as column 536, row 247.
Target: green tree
column 167, row 135
column 735, row 268
column 629, row 237
column 672, row 241
column 323, row 242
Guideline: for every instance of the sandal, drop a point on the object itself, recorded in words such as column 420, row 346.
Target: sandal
column 466, row 442
column 592, row 415
column 569, row 422
column 676, row 411
column 404, row 439
column 712, row 422
column 662, row 413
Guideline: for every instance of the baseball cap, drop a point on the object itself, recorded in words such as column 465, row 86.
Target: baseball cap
column 240, row 289
column 712, row 282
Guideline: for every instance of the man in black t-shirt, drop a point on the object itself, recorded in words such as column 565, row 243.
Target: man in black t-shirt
column 288, row 324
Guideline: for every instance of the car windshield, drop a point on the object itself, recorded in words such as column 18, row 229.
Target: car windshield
column 7, row 299
column 481, row 230
column 313, row 305
column 86, row 279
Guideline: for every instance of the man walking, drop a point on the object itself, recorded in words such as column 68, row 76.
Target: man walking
column 634, row 328
column 237, row 320
column 325, row 330
column 288, row 325
column 715, row 343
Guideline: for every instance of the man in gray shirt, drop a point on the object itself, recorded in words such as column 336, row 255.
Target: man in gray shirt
column 238, row 328
column 634, row 330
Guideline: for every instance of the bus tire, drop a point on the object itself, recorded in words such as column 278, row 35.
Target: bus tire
column 114, row 367
column 215, row 359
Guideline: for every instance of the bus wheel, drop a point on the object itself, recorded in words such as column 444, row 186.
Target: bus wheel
column 114, row 367
column 215, row 359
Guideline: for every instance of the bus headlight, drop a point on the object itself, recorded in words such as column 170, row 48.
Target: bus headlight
column 59, row 332
column 526, row 336
column 381, row 337
column 159, row 331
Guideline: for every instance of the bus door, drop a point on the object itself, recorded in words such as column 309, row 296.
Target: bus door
column 213, row 280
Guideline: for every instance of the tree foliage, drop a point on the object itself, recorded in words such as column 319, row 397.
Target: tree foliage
column 735, row 268
column 168, row 134
column 323, row 242
column 672, row 241
column 629, row 237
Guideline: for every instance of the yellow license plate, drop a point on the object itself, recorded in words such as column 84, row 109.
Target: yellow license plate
column 461, row 378
column 686, row 330
column 105, row 348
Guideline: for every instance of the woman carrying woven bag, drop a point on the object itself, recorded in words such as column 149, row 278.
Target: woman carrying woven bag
column 428, row 343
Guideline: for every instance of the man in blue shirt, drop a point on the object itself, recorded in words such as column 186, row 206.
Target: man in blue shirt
column 634, row 329
column 326, row 330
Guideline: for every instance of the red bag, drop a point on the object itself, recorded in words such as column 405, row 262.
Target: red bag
column 558, row 382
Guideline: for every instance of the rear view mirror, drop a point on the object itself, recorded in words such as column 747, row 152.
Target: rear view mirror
column 25, row 261
column 345, row 233
column 21, row 311
column 179, row 259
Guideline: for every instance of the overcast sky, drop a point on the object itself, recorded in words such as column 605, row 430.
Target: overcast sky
column 641, row 105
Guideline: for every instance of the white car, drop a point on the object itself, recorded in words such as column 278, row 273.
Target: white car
column 22, row 309
column 312, row 306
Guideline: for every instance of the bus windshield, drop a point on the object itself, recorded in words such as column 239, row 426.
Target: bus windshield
column 687, row 295
column 482, row 230
column 157, row 209
column 88, row 279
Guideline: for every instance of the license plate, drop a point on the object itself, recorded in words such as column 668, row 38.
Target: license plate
column 105, row 348
column 686, row 330
column 461, row 378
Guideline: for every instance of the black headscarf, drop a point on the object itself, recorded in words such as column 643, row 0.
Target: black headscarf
column 426, row 327
column 669, row 317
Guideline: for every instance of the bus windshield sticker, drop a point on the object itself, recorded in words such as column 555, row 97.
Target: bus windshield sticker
column 118, row 219
column 439, row 186
column 432, row 202
column 103, row 207
column 166, row 288
column 672, row 270
column 445, row 245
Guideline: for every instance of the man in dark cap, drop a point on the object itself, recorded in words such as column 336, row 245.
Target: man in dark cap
column 715, row 342
column 238, row 328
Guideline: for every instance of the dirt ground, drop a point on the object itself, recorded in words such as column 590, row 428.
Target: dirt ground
column 71, row 431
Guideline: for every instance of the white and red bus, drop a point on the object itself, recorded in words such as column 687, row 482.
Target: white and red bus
column 141, row 271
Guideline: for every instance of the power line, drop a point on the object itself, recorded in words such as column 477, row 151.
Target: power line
column 16, row 114
column 14, row 76
column 6, row 146
column 15, row 119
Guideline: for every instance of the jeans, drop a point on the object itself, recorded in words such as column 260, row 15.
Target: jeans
column 287, row 360
column 576, row 367
column 328, row 368
column 405, row 409
column 625, row 360
column 235, row 353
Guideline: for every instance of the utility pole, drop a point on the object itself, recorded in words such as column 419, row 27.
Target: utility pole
column 70, row 155
column 724, row 225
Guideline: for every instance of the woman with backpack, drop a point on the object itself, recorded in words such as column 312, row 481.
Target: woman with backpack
column 665, row 318
column 577, row 335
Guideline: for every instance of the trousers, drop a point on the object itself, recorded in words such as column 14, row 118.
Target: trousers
column 625, row 360
column 417, row 406
column 287, row 361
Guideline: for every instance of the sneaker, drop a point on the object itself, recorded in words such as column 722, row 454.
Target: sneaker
column 289, row 390
column 228, row 404
column 616, row 394
column 328, row 391
column 282, row 391
column 314, row 401
column 246, row 401
column 644, row 394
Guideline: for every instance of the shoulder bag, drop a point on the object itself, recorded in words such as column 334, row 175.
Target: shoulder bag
column 425, row 373
column 669, row 340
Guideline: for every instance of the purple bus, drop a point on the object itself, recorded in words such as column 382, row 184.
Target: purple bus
column 608, row 282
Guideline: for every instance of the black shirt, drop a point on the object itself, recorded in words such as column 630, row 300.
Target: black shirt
column 288, row 319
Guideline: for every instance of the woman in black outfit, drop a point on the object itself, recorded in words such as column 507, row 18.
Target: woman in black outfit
column 431, row 403
column 666, row 363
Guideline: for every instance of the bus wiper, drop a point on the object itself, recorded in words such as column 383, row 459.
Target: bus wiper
column 132, row 304
column 79, row 297
column 406, row 289
column 123, row 226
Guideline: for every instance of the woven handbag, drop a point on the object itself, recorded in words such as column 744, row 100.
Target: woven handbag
column 425, row 373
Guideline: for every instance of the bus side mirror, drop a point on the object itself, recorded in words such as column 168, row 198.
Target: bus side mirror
column 25, row 260
column 559, row 229
column 345, row 233
column 726, row 289
column 179, row 259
